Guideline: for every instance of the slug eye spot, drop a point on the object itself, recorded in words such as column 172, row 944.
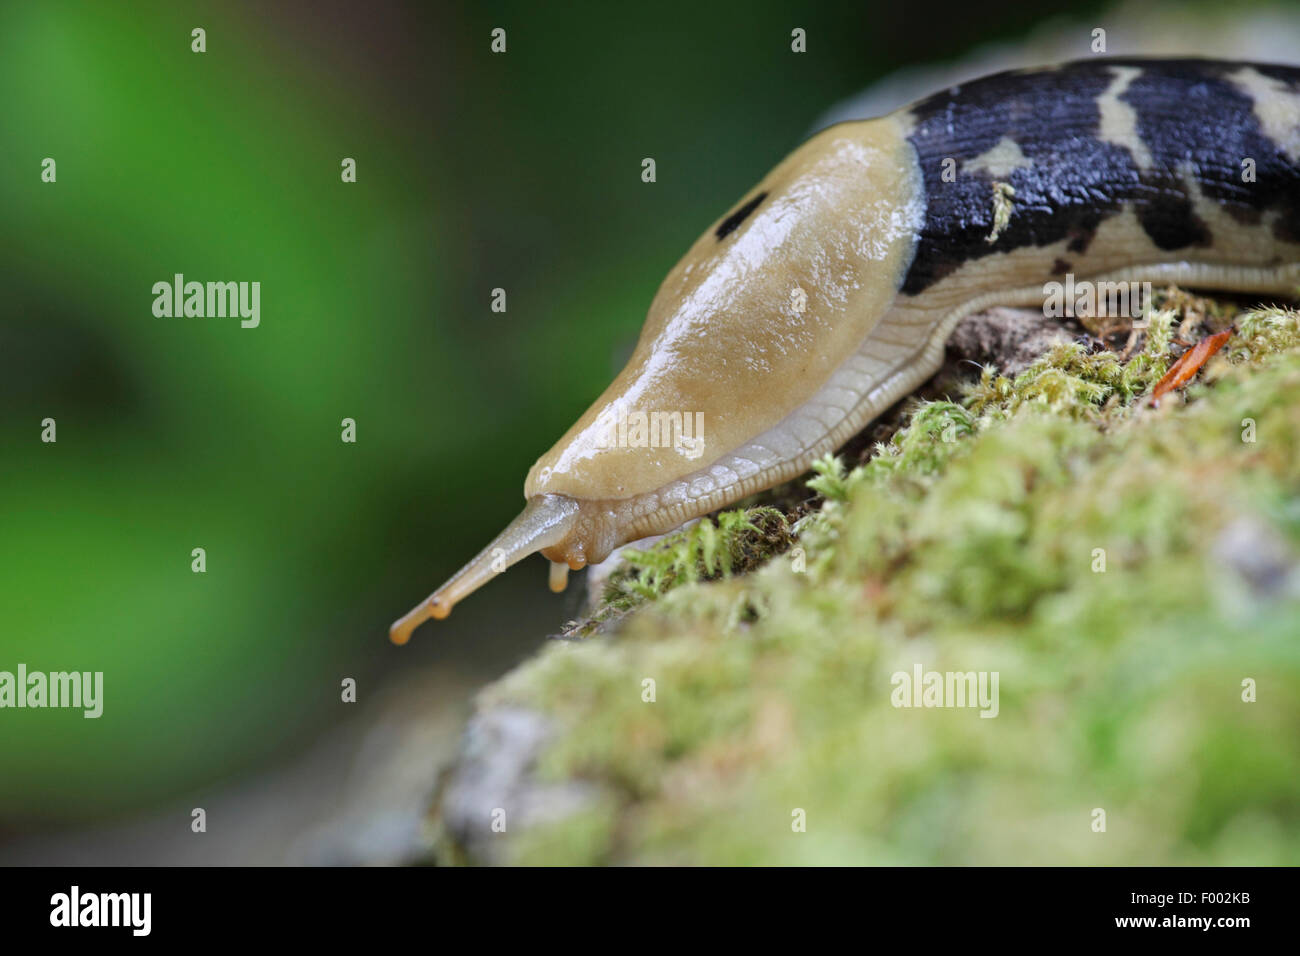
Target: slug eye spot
column 732, row 222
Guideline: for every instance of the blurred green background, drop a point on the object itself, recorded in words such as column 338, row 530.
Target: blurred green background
column 475, row 171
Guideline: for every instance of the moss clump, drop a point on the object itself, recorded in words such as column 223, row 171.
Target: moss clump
column 1129, row 572
column 733, row 542
column 1073, row 381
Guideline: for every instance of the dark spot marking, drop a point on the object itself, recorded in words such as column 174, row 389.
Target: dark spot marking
column 1168, row 216
column 1060, row 267
column 730, row 224
column 1081, row 236
column 1246, row 215
column 1287, row 230
column 1289, row 76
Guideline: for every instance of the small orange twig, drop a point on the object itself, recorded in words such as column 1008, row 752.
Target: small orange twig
column 1191, row 362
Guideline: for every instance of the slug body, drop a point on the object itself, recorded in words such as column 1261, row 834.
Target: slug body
column 829, row 292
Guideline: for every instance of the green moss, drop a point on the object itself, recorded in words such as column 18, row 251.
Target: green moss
column 1106, row 557
column 738, row 541
column 1072, row 381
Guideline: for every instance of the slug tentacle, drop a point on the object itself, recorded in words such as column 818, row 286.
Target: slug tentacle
column 545, row 522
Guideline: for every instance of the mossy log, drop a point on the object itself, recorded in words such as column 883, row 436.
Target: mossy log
column 1128, row 570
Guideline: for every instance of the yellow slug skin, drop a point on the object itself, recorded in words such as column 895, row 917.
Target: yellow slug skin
column 751, row 324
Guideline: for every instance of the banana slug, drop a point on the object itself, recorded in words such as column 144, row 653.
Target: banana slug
column 829, row 292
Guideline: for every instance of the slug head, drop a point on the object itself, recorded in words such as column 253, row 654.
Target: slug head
column 746, row 328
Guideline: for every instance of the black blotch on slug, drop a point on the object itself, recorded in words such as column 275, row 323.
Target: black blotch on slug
column 730, row 224
column 1168, row 215
column 1190, row 117
column 1064, row 192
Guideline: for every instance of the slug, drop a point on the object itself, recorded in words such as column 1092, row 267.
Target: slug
column 829, row 291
